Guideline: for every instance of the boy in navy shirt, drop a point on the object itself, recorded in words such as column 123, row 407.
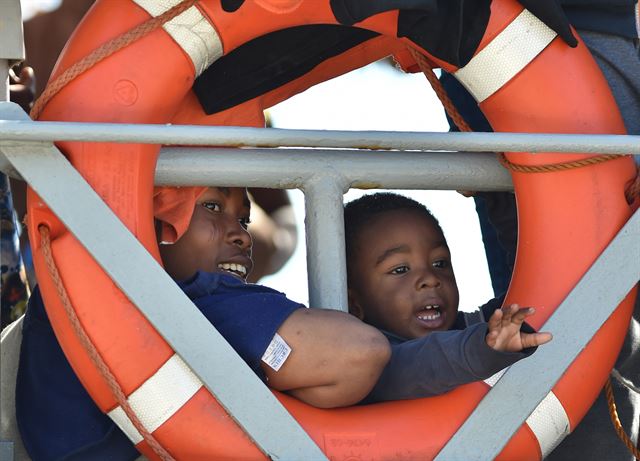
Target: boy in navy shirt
column 401, row 281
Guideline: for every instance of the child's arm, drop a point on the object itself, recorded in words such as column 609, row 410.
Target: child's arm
column 504, row 330
column 444, row 360
column 335, row 358
column 440, row 362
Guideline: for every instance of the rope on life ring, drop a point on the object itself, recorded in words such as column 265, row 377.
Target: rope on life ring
column 91, row 350
column 632, row 191
column 463, row 126
column 52, row 88
column 615, row 420
column 104, row 51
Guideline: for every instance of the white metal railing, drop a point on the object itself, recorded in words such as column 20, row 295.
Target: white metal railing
column 324, row 175
column 274, row 137
column 26, row 150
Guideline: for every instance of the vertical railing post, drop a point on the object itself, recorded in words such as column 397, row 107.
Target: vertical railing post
column 4, row 80
column 324, row 226
column 11, row 51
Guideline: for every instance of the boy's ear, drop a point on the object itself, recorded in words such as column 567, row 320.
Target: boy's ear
column 355, row 308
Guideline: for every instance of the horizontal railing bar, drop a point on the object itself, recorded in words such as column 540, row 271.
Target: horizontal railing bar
column 274, row 137
column 293, row 168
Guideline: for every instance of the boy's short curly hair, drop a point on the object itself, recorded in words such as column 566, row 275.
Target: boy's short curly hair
column 359, row 212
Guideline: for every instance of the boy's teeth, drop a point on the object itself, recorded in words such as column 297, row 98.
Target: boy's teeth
column 238, row 268
column 433, row 316
column 430, row 312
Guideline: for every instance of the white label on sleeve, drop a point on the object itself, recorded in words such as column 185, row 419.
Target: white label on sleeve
column 277, row 352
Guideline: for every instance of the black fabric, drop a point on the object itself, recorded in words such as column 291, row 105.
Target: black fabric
column 550, row 12
column 497, row 211
column 349, row 12
column 487, row 310
column 497, row 259
column 614, row 17
column 270, row 61
column 231, row 5
column 452, row 33
column 56, row 417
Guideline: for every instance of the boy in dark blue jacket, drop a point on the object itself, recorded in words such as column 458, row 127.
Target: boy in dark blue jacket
column 401, row 281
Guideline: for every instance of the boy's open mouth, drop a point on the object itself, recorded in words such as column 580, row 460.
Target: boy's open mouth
column 235, row 269
column 431, row 316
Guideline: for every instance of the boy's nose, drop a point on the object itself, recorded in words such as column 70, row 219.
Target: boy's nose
column 427, row 279
column 238, row 235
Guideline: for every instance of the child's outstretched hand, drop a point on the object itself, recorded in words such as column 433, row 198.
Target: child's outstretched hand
column 504, row 330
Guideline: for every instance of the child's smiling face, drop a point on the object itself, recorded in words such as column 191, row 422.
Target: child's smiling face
column 401, row 279
column 217, row 238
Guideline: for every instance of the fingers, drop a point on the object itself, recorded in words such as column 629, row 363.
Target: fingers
column 495, row 321
column 492, row 338
column 515, row 313
column 535, row 339
column 507, row 314
column 522, row 313
column 504, row 329
column 502, row 318
column 494, row 326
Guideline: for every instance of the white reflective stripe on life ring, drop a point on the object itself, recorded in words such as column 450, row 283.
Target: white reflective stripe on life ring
column 549, row 421
column 191, row 30
column 492, row 380
column 506, row 55
column 158, row 398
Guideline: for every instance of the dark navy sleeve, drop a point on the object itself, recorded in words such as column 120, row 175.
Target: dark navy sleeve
column 440, row 362
column 247, row 316
column 56, row 417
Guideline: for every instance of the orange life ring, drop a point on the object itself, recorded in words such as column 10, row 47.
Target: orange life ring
column 560, row 90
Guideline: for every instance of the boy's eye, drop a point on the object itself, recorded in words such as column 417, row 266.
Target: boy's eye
column 212, row 206
column 244, row 222
column 399, row 270
column 441, row 264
